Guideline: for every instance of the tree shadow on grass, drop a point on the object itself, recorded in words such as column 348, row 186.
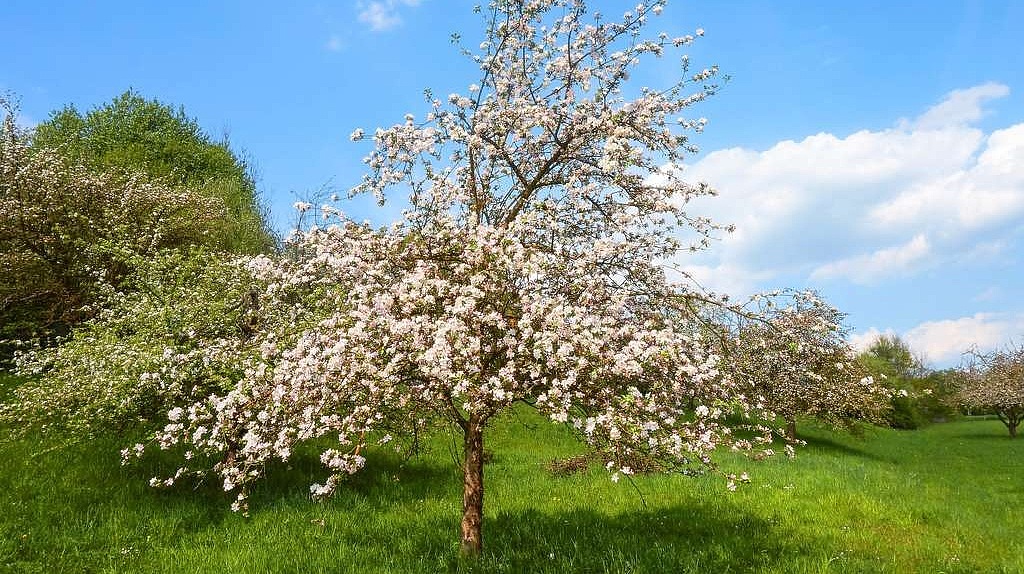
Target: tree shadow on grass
column 51, row 482
column 386, row 479
column 679, row 539
column 991, row 435
column 827, row 445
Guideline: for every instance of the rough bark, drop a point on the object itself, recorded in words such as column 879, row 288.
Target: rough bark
column 473, row 487
column 791, row 429
column 1011, row 419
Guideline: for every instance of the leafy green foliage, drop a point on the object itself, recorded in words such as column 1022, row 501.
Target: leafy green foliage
column 69, row 236
column 919, row 396
column 132, row 134
column 938, row 395
column 112, row 372
column 85, row 197
column 893, row 357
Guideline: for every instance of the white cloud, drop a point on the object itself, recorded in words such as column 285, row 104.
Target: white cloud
column 897, row 260
column 382, row 15
column 861, row 341
column 737, row 282
column 944, row 341
column 870, row 204
column 989, row 191
column 961, row 107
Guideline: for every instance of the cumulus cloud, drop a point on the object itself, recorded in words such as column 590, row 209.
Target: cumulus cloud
column 869, row 268
column 961, row 107
column 989, row 191
column 382, row 15
column 870, row 204
column 943, row 342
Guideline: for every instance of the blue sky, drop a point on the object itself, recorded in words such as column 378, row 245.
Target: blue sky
column 873, row 150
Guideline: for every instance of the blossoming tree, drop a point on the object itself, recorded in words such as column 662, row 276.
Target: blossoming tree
column 995, row 382
column 796, row 359
column 529, row 267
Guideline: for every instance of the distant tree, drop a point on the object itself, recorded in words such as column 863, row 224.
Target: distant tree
column 131, row 134
column 919, row 395
column 938, row 395
column 994, row 382
column 796, row 359
column 892, row 356
column 71, row 229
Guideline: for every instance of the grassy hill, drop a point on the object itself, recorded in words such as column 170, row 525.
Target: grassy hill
column 943, row 499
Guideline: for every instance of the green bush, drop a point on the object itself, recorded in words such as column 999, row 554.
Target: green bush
column 115, row 370
column 905, row 414
column 84, row 197
column 131, row 134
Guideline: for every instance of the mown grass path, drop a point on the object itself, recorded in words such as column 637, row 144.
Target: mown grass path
column 943, row 499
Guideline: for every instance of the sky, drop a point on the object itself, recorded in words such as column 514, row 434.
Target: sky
column 871, row 150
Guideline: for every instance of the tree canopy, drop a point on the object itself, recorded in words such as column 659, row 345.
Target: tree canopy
column 83, row 197
column 797, row 359
column 994, row 382
column 131, row 134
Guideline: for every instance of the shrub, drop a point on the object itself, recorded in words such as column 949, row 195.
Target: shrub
column 175, row 333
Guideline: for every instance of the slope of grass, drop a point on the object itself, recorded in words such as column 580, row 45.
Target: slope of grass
column 944, row 499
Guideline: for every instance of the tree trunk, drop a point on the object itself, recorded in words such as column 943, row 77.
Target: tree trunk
column 473, row 487
column 1011, row 419
column 791, row 429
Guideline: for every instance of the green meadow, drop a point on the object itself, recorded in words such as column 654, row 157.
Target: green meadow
column 942, row 499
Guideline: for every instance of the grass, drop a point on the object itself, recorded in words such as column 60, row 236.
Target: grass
column 943, row 499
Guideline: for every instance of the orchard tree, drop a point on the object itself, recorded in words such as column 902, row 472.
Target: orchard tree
column 131, row 134
column 797, row 360
column 530, row 267
column 994, row 382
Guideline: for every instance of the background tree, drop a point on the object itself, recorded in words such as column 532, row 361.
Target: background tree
column 73, row 220
column 919, row 394
column 994, row 382
column 895, row 358
column 131, row 134
column 796, row 359
column 938, row 395
column 68, row 234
